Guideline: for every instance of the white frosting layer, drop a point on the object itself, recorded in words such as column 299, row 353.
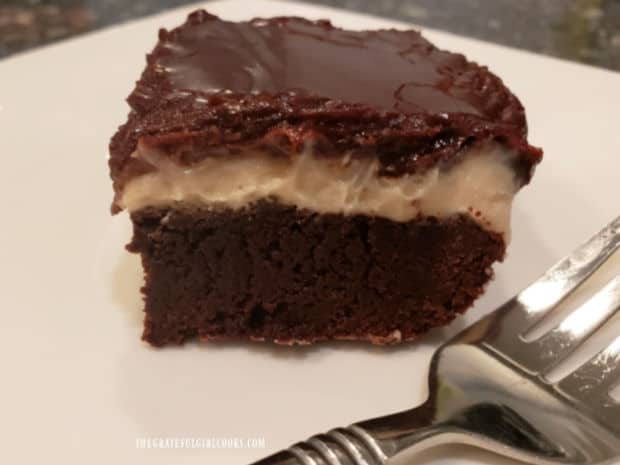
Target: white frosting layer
column 481, row 184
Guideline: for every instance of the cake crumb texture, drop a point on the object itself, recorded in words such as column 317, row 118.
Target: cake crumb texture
column 276, row 273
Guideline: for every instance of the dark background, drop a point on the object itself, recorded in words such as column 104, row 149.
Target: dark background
column 581, row 30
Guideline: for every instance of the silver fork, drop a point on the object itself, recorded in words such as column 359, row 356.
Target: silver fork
column 488, row 387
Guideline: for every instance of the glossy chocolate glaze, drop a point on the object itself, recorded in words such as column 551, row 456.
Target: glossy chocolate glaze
column 388, row 69
column 213, row 86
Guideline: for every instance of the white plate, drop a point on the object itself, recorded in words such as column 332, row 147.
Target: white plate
column 78, row 386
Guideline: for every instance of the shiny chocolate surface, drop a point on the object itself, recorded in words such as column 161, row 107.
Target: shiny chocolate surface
column 391, row 70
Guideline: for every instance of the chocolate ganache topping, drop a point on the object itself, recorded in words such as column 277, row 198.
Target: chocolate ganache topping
column 213, row 87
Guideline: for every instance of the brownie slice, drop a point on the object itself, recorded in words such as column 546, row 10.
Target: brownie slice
column 294, row 182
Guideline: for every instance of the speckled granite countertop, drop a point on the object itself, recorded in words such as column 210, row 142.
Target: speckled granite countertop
column 582, row 30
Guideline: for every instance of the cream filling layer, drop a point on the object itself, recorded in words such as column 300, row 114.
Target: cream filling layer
column 481, row 184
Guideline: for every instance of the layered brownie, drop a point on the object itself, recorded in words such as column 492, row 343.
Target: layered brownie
column 291, row 181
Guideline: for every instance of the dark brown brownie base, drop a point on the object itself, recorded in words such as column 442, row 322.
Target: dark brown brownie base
column 272, row 272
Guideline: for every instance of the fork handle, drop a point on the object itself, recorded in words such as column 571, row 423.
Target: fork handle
column 371, row 442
